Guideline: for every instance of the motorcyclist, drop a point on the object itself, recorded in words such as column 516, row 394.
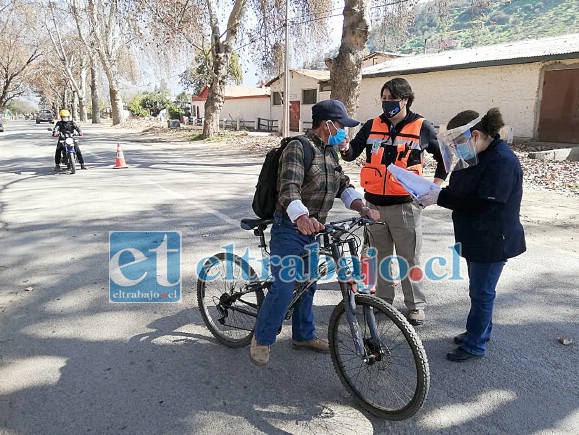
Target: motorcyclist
column 66, row 125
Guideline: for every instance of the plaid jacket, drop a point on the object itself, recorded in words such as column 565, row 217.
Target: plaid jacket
column 324, row 181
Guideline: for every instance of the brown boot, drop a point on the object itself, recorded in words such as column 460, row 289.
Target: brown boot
column 317, row 345
column 259, row 355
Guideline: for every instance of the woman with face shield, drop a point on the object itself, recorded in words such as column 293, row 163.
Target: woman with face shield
column 484, row 194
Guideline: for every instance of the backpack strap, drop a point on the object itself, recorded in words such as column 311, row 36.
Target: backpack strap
column 308, row 151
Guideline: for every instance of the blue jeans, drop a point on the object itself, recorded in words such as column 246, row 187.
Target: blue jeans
column 483, row 279
column 286, row 240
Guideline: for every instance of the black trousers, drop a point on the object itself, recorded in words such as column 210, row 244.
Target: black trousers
column 58, row 153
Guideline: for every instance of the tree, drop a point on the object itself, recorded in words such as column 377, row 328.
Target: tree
column 50, row 84
column 198, row 75
column 390, row 23
column 18, row 53
column 73, row 61
column 135, row 107
column 199, row 23
column 107, row 27
column 154, row 102
column 346, row 67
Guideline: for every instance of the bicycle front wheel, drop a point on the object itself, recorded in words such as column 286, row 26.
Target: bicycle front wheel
column 392, row 380
column 229, row 298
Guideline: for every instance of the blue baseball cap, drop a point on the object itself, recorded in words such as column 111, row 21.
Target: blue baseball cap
column 332, row 110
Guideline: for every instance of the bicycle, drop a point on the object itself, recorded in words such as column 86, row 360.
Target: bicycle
column 376, row 353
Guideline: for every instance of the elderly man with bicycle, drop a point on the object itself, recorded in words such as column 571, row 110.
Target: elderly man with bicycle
column 305, row 196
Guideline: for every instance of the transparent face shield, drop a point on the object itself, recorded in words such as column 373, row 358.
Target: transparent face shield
column 457, row 148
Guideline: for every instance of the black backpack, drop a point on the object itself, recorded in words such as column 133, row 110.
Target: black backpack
column 265, row 197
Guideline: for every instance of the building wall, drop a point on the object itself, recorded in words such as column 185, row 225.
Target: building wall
column 246, row 109
column 514, row 89
column 298, row 83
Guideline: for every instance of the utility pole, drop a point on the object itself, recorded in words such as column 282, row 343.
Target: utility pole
column 286, row 80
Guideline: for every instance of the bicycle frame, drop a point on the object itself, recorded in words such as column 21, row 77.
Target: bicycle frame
column 332, row 245
column 348, row 295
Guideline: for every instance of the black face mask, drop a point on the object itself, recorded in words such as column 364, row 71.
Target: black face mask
column 391, row 108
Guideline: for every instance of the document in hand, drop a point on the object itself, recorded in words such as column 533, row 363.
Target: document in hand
column 414, row 184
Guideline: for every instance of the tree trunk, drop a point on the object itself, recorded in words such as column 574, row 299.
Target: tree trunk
column 94, row 93
column 75, row 105
column 221, row 54
column 116, row 103
column 114, row 94
column 82, row 95
column 215, row 96
column 346, row 68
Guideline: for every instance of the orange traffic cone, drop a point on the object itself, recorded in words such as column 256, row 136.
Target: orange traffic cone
column 120, row 163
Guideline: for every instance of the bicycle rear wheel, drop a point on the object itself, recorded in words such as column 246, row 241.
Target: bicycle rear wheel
column 229, row 298
column 394, row 383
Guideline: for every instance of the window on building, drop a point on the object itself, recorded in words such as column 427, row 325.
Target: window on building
column 325, row 86
column 309, row 96
column 277, row 98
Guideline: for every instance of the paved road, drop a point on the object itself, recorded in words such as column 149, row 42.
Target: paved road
column 71, row 362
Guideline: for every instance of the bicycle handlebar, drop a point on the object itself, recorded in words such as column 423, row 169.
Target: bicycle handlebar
column 339, row 227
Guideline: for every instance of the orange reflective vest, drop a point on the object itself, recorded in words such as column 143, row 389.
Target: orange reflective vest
column 404, row 151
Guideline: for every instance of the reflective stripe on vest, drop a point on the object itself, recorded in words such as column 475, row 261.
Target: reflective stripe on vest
column 374, row 177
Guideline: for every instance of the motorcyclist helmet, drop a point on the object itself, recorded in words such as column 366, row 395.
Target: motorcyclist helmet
column 64, row 114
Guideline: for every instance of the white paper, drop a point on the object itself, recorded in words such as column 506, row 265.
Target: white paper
column 414, row 184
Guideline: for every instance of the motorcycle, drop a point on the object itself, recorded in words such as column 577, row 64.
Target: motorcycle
column 69, row 141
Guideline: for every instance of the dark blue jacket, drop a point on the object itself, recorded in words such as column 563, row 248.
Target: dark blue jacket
column 485, row 200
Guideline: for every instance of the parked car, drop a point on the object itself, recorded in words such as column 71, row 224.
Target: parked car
column 44, row 116
column 1, row 126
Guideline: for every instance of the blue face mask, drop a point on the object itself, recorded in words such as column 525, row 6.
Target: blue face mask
column 338, row 137
column 464, row 152
column 391, row 108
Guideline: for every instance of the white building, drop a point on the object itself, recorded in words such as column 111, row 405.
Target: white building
column 243, row 105
column 307, row 87
column 535, row 83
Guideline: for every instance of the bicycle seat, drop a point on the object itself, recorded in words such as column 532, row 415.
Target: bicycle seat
column 250, row 224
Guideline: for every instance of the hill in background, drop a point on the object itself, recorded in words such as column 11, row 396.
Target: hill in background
column 458, row 25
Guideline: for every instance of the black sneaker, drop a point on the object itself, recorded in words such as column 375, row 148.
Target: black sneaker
column 459, row 355
column 83, row 167
column 461, row 338
column 57, row 167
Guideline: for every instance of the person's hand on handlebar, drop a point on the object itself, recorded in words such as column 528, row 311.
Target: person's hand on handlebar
column 370, row 213
column 308, row 226
column 364, row 210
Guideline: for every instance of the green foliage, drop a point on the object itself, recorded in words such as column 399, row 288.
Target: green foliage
column 200, row 73
column 184, row 97
column 154, row 102
column 174, row 112
column 235, row 73
column 489, row 22
column 20, row 107
column 135, row 107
